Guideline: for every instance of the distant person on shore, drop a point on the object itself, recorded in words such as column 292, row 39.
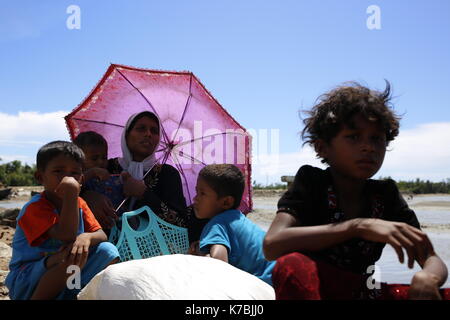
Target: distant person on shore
column 332, row 225
column 229, row 235
column 57, row 230
column 99, row 184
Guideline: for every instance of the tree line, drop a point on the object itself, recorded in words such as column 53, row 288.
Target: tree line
column 420, row 187
column 15, row 173
column 417, row 186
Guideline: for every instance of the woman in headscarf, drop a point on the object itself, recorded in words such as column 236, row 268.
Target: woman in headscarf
column 161, row 189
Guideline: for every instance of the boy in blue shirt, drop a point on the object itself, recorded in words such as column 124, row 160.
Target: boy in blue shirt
column 229, row 235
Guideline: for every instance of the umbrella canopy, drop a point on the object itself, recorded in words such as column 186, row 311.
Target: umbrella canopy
column 195, row 129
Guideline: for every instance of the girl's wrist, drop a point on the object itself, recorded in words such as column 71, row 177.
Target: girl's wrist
column 424, row 276
column 354, row 227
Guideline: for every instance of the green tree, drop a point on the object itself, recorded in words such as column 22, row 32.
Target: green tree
column 15, row 174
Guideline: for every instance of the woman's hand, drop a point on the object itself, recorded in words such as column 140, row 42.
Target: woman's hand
column 102, row 208
column 131, row 186
column 424, row 286
column 399, row 235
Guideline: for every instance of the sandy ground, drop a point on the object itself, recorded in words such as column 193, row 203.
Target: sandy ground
column 264, row 201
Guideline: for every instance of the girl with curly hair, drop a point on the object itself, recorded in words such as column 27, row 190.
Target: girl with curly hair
column 332, row 225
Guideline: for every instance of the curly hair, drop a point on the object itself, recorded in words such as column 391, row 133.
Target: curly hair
column 337, row 108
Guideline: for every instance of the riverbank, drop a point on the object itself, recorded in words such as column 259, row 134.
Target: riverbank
column 22, row 193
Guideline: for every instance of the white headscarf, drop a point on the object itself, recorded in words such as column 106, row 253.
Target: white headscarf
column 134, row 168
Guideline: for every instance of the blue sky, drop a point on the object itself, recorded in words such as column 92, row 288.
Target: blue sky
column 263, row 61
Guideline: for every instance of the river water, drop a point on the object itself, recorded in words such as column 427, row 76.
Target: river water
column 7, row 204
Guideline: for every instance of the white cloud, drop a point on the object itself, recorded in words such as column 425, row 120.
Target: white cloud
column 422, row 152
column 21, row 158
column 23, row 133
column 32, row 127
column 268, row 168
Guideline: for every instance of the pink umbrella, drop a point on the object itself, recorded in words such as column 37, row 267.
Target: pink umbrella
column 195, row 129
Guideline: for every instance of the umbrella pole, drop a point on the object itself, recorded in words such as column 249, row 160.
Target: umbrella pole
column 121, row 204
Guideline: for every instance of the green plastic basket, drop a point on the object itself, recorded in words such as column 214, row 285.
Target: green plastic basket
column 152, row 237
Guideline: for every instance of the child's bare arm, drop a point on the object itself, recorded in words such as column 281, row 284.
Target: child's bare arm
column 285, row 236
column 54, row 280
column 97, row 237
column 218, row 251
column 67, row 226
column 80, row 248
column 436, row 267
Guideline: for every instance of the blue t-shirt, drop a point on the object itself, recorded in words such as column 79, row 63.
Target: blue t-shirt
column 242, row 238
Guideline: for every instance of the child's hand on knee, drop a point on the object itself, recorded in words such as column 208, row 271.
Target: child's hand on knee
column 80, row 250
column 59, row 258
column 424, row 286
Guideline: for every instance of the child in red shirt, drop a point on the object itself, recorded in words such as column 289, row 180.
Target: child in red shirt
column 57, row 230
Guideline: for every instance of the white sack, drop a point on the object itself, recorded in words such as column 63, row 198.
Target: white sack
column 175, row 277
